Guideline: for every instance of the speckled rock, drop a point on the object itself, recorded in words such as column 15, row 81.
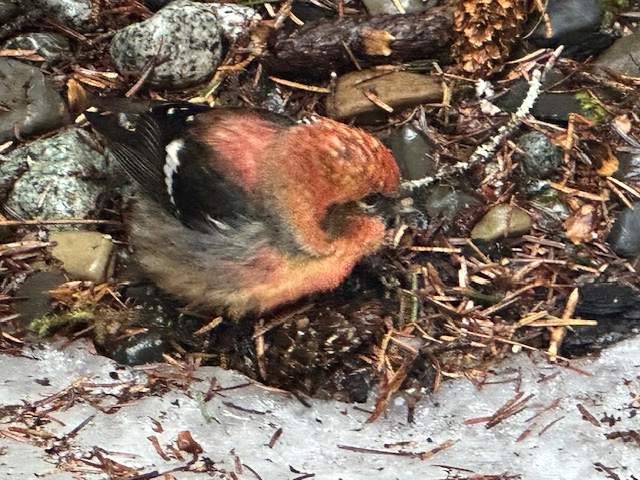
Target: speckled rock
column 185, row 35
column 234, row 19
column 30, row 104
column 57, row 181
column 541, row 157
column 78, row 14
column 145, row 347
column 51, row 46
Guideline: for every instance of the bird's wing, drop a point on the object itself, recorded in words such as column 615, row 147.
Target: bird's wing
column 194, row 161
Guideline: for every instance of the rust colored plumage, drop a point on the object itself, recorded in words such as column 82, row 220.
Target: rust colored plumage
column 255, row 210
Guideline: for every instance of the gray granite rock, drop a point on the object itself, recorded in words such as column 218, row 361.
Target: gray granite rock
column 30, row 104
column 57, row 182
column 78, row 14
column 234, row 19
column 184, row 39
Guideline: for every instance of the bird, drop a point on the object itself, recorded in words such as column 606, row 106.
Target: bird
column 243, row 210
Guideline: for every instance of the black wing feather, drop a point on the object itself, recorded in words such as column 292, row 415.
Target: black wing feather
column 190, row 187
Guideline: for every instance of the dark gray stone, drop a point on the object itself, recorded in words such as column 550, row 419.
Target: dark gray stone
column 413, row 151
column 146, row 347
column 623, row 56
column 541, row 158
column 52, row 46
column 550, row 107
column 30, row 104
column 574, row 24
column 8, row 11
column 35, row 292
column 624, row 237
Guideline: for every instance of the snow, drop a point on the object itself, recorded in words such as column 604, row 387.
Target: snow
column 236, row 426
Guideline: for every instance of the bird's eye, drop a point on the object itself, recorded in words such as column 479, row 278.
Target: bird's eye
column 369, row 202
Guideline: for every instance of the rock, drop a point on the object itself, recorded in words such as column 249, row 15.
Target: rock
column 629, row 166
column 56, row 183
column 569, row 18
column 541, row 158
column 8, row 11
column 146, row 347
column 623, row 56
column 308, row 11
column 84, row 255
column 399, row 90
column 624, row 238
column 608, row 300
column 34, row 290
column 52, row 46
column 184, row 38
column 549, row 201
column 30, row 104
column 10, row 171
column 617, row 310
column 574, row 24
column 413, row 151
column 379, row 7
column 234, row 19
column 502, row 221
column 550, row 107
column 444, row 202
column 78, row 14
column 155, row 5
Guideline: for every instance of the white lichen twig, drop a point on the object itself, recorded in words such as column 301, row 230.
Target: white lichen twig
column 486, row 151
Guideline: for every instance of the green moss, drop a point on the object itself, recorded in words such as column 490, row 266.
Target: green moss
column 592, row 108
column 105, row 322
column 44, row 326
column 609, row 8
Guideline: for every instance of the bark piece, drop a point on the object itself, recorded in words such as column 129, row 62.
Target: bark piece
column 324, row 46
